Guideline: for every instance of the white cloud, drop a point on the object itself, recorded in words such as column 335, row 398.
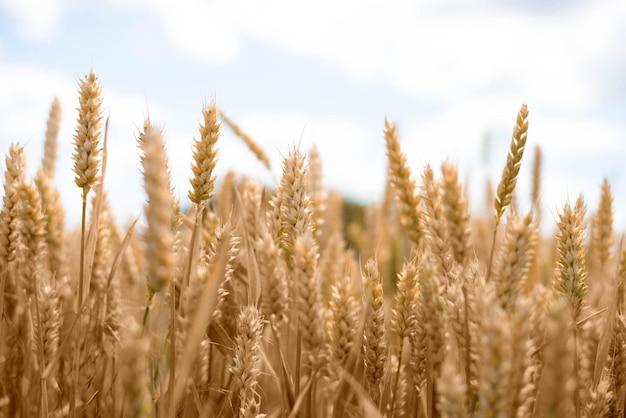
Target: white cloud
column 426, row 50
column 201, row 29
column 37, row 20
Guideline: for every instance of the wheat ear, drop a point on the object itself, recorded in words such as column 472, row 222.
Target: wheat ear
column 87, row 162
column 513, row 163
column 48, row 161
column 203, row 181
column 247, row 360
column 317, row 192
column 603, row 236
column 404, row 185
column 456, row 213
column 515, row 258
column 374, row 338
column 158, row 234
column 205, row 156
column 341, row 320
column 88, row 134
column 571, row 274
column 404, row 314
column 438, row 243
column 55, row 225
column 508, row 180
column 535, row 193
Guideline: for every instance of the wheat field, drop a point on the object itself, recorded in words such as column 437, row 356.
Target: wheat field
column 266, row 301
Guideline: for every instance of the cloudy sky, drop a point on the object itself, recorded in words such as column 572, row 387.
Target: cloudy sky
column 451, row 73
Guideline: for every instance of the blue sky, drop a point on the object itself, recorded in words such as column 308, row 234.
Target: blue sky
column 452, row 74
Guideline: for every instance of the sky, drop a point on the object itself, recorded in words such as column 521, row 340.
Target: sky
column 451, row 74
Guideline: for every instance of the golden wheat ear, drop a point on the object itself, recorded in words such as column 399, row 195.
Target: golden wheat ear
column 403, row 184
column 374, row 338
column 205, row 156
column 158, row 235
column 48, row 162
column 456, row 213
column 88, row 133
column 508, row 179
column 535, row 194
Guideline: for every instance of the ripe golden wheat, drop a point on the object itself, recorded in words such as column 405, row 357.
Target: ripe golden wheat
column 252, row 303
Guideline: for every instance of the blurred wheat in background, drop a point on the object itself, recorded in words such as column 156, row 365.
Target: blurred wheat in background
column 283, row 300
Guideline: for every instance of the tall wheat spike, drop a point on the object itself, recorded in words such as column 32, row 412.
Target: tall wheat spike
column 508, row 180
column 403, row 184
